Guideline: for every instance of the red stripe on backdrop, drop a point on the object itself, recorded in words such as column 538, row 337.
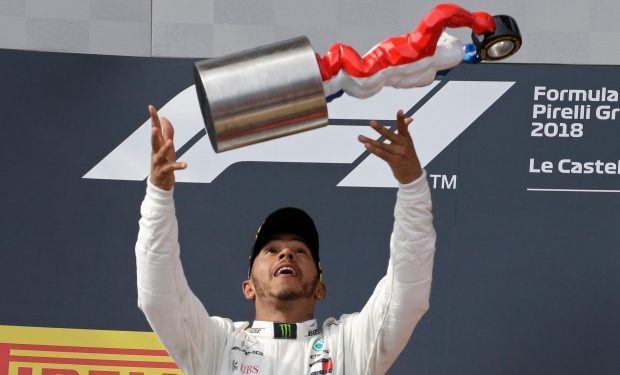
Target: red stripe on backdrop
column 82, row 349
column 93, row 362
column 4, row 359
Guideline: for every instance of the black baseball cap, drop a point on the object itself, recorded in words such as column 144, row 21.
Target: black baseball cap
column 288, row 220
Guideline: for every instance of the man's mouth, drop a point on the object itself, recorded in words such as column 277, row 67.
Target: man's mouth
column 285, row 270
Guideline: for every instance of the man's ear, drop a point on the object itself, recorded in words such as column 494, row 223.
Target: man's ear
column 248, row 290
column 321, row 291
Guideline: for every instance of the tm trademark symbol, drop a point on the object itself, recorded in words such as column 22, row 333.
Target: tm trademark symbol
column 444, row 182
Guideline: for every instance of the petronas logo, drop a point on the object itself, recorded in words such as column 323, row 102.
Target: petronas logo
column 318, row 345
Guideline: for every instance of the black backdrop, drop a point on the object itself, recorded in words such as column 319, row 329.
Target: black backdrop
column 524, row 281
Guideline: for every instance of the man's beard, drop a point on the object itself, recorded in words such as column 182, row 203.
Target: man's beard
column 307, row 291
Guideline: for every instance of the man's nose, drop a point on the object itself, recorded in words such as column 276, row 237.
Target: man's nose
column 286, row 252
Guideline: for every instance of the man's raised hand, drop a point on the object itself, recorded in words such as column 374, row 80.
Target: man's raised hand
column 163, row 158
column 399, row 153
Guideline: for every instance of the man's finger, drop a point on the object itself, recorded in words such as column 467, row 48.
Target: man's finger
column 173, row 167
column 154, row 117
column 385, row 132
column 156, row 140
column 402, row 124
column 380, row 152
column 168, row 130
column 156, row 137
column 162, row 154
column 389, row 148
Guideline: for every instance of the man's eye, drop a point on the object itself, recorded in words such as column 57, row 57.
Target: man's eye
column 270, row 250
column 301, row 250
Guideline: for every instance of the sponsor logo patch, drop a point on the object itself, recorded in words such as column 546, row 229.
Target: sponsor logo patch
column 322, row 366
column 318, row 345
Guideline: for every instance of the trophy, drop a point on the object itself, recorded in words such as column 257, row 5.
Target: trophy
column 283, row 88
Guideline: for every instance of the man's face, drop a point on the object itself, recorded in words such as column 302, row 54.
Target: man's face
column 284, row 269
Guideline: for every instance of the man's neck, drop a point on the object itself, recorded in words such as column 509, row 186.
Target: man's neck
column 273, row 310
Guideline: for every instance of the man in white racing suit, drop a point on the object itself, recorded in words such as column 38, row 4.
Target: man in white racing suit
column 285, row 281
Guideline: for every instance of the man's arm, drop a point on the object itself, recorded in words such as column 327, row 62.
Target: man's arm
column 175, row 314
column 382, row 329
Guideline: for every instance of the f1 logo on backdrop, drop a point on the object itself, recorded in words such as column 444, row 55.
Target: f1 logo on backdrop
column 442, row 118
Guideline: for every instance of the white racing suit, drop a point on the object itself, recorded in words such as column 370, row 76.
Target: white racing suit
column 367, row 342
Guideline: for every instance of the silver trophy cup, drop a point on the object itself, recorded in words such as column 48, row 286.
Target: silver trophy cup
column 260, row 94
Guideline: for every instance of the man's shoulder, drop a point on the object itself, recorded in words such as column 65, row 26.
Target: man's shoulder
column 344, row 319
column 238, row 325
column 228, row 324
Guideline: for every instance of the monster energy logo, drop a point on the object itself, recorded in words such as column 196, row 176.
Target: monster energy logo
column 285, row 330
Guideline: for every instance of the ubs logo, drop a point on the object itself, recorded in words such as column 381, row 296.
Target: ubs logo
column 245, row 369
